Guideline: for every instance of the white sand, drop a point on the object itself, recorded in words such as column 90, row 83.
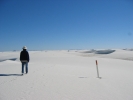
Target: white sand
column 63, row 75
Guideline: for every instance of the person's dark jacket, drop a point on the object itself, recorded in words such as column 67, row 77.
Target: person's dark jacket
column 24, row 56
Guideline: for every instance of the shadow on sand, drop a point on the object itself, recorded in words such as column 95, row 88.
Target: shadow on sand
column 12, row 59
column 10, row 74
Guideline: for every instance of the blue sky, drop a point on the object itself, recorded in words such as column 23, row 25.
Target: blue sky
column 66, row 24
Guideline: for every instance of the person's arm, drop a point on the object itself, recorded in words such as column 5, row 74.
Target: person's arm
column 20, row 56
column 28, row 58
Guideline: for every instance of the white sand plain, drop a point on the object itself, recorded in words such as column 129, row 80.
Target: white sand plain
column 67, row 75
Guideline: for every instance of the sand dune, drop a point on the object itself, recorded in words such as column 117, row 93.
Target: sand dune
column 63, row 75
column 100, row 51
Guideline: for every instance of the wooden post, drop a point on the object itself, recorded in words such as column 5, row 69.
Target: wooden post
column 97, row 69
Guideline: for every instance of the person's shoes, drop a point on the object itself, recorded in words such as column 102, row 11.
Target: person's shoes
column 22, row 74
column 27, row 73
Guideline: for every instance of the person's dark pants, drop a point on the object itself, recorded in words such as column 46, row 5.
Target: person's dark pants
column 26, row 67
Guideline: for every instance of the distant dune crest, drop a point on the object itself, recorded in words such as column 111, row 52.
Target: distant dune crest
column 100, row 51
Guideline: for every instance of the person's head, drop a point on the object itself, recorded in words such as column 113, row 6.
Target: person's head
column 24, row 48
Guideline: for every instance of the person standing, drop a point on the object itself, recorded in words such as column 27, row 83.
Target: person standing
column 24, row 58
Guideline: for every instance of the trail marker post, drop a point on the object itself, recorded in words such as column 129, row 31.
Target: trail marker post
column 97, row 69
